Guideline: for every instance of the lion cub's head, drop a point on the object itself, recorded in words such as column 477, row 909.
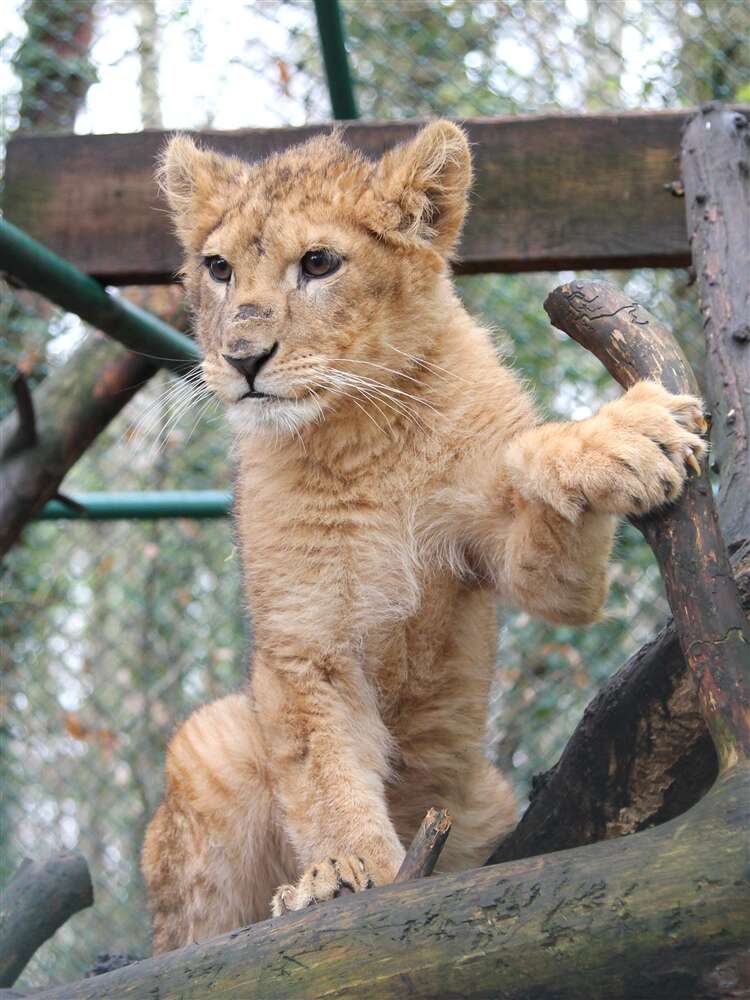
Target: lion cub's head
column 315, row 273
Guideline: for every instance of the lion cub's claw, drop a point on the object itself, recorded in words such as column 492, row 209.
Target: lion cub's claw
column 647, row 476
column 321, row 882
column 692, row 462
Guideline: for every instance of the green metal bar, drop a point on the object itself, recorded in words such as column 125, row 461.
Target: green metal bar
column 140, row 506
column 335, row 59
column 43, row 271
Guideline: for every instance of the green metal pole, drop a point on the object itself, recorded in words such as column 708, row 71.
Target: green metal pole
column 335, row 59
column 140, row 506
column 43, row 271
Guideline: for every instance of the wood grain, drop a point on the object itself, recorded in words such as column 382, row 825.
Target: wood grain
column 551, row 192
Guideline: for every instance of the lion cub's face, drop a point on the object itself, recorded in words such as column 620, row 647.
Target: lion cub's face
column 312, row 274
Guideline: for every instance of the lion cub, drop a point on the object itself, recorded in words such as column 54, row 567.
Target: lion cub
column 394, row 480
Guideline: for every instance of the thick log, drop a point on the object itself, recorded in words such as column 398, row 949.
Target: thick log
column 37, row 901
column 71, row 407
column 716, row 176
column 685, row 537
column 552, row 191
column 646, row 917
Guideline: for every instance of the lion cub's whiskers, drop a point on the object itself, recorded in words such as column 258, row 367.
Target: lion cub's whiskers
column 330, row 383
column 179, row 396
column 377, row 390
column 429, row 365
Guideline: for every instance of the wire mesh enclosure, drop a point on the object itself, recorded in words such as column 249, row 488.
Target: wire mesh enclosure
column 112, row 632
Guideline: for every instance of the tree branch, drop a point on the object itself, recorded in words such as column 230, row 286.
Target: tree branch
column 613, row 919
column 716, row 175
column 685, row 537
column 71, row 407
column 37, row 901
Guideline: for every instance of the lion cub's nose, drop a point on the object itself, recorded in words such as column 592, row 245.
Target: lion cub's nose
column 252, row 311
column 250, row 364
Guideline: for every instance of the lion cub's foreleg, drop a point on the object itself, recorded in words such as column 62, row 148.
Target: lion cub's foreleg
column 329, row 759
column 543, row 523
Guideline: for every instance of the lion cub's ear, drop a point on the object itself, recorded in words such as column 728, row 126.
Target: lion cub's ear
column 197, row 183
column 422, row 187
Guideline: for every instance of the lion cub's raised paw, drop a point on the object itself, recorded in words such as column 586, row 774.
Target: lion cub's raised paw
column 641, row 449
column 322, row 881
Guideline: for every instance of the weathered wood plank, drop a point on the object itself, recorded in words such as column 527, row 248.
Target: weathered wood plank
column 551, row 192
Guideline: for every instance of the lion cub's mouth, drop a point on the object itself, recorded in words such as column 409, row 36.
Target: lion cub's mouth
column 254, row 394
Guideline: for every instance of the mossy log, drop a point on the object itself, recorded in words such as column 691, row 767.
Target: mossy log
column 647, row 917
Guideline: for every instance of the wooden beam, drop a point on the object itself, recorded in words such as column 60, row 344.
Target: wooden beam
column 554, row 191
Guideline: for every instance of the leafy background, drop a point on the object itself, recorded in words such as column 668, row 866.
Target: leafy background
column 113, row 632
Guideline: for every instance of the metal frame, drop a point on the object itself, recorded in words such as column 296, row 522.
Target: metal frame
column 335, row 59
column 143, row 506
column 41, row 270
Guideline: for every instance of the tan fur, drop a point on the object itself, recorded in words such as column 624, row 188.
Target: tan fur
column 399, row 483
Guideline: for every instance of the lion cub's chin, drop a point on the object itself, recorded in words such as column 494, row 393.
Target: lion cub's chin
column 272, row 416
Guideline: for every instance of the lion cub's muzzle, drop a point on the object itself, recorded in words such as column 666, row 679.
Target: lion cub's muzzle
column 249, row 365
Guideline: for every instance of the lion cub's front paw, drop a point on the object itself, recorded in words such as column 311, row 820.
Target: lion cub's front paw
column 641, row 448
column 323, row 881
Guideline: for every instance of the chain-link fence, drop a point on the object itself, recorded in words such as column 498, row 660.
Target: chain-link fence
column 113, row 631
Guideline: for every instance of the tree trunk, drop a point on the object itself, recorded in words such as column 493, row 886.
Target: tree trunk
column 716, row 176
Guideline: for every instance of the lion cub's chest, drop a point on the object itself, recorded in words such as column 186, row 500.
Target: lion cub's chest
column 350, row 552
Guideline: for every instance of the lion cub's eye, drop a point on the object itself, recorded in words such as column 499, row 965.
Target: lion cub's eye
column 319, row 263
column 218, row 268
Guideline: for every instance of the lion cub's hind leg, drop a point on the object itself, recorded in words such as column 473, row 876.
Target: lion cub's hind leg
column 214, row 852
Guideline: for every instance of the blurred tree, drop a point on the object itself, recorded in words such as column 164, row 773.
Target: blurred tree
column 54, row 63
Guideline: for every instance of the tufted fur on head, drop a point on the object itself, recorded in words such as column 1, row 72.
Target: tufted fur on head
column 391, row 225
column 416, row 194
column 420, row 189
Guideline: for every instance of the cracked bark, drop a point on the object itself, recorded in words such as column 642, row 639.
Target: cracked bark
column 643, row 918
column 716, row 174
